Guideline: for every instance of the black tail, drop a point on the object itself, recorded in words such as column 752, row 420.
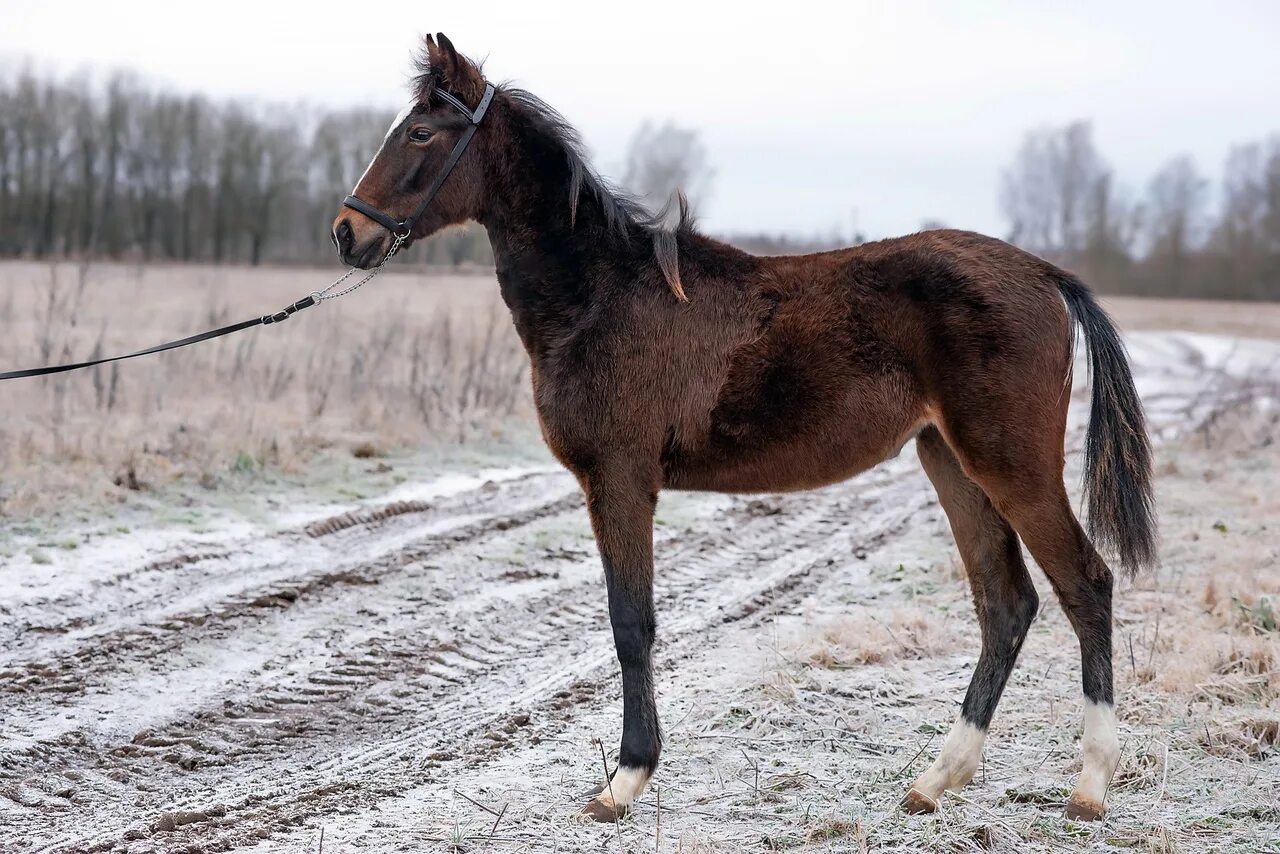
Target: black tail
column 1117, row 452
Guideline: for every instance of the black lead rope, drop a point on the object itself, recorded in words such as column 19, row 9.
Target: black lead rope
column 283, row 314
column 313, row 298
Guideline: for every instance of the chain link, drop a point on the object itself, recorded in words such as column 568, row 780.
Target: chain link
column 321, row 296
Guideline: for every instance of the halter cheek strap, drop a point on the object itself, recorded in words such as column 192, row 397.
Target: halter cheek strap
column 402, row 227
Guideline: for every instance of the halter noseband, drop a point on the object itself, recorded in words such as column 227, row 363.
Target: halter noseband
column 402, row 228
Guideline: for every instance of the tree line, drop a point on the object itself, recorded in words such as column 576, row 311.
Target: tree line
column 1176, row 237
column 117, row 169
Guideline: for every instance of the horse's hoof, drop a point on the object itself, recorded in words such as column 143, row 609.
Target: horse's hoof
column 917, row 803
column 602, row 810
column 1084, row 809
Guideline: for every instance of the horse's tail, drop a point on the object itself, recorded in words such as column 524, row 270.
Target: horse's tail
column 1117, row 451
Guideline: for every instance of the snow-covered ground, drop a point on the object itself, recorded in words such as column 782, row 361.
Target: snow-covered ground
column 427, row 670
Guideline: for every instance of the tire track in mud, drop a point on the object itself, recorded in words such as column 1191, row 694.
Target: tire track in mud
column 460, row 656
column 247, row 624
column 254, row 559
column 231, row 585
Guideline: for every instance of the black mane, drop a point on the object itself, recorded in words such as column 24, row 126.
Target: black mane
column 623, row 212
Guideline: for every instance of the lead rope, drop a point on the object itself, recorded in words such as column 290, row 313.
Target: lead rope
column 314, row 298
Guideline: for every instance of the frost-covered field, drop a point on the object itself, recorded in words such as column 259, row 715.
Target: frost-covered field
column 412, row 359
column 423, row 662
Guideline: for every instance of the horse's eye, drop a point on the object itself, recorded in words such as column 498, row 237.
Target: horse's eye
column 419, row 134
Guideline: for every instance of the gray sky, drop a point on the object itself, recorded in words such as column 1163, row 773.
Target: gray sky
column 813, row 114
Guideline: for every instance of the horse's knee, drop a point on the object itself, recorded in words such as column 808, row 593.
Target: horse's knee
column 1023, row 613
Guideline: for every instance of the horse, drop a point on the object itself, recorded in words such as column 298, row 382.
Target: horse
column 664, row 359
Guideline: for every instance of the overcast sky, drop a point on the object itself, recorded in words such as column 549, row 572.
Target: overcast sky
column 815, row 115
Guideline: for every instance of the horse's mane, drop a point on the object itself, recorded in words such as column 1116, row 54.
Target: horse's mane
column 623, row 212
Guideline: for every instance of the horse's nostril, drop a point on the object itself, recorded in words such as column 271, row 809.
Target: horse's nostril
column 343, row 237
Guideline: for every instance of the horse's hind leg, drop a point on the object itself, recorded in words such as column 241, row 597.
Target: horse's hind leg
column 1006, row 603
column 1038, row 507
column 1022, row 473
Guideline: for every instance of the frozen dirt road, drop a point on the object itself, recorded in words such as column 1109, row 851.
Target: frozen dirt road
column 425, row 673
column 261, row 681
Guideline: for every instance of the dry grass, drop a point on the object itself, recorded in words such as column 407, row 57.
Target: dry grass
column 1210, row 631
column 1249, row 319
column 414, row 359
column 907, row 633
column 410, row 360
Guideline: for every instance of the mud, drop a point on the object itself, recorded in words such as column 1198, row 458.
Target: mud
column 351, row 670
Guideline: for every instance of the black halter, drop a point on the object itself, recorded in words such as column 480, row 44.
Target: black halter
column 402, row 227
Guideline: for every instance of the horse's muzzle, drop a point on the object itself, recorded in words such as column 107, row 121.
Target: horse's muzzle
column 356, row 250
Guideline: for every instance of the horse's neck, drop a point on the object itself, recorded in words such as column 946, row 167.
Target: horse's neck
column 546, row 264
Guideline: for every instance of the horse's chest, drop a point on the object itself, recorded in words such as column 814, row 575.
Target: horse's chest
column 575, row 422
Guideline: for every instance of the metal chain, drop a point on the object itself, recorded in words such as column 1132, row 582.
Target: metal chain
column 321, row 296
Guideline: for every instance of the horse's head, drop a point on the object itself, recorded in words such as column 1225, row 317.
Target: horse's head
column 428, row 163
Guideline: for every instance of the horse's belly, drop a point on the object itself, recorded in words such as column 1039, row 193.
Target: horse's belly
column 807, row 462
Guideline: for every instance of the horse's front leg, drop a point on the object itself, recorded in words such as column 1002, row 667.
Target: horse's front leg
column 621, row 500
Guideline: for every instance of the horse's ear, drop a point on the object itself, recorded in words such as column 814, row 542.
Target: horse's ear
column 457, row 73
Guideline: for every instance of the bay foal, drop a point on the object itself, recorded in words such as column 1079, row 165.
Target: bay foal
column 663, row 359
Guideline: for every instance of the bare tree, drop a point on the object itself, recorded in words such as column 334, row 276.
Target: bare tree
column 1247, row 236
column 1061, row 200
column 123, row 170
column 666, row 158
column 121, row 94
column 1050, row 189
column 1175, row 212
column 8, row 169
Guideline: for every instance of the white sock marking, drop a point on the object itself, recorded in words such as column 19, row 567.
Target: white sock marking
column 626, row 786
column 1101, row 746
column 956, row 763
